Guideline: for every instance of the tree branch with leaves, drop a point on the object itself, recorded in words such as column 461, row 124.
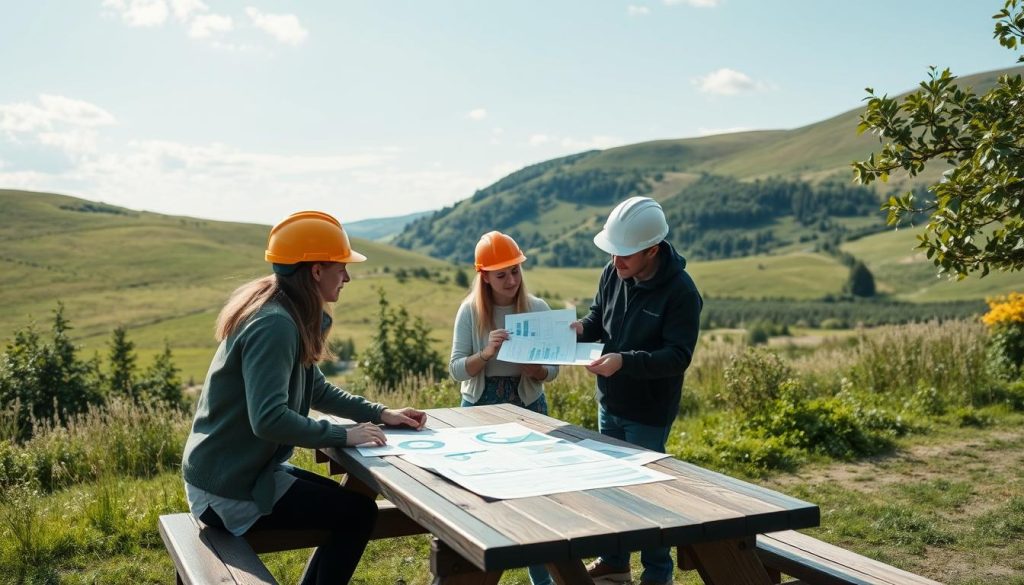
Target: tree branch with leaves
column 976, row 211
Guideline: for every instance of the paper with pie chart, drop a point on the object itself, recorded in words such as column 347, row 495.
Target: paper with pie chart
column 512, row 461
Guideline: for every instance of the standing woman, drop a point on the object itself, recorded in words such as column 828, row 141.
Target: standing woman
column 254, row 408
column 498, row 290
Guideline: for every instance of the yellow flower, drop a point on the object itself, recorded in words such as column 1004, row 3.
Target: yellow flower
column 1005, row 310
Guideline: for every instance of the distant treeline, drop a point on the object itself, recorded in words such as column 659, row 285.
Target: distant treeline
column 838, row 313
column 721, row 217
column 715, row 217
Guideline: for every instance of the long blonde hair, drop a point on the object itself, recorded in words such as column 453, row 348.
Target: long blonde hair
column 481, row 296
column 297, row 293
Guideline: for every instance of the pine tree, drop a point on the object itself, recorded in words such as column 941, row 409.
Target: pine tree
column 861, row 282
column 46, row 381
column 161, row 382
column 400, row 347
column 122, row 364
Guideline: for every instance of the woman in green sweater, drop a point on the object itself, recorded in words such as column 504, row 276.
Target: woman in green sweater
column 254, row 408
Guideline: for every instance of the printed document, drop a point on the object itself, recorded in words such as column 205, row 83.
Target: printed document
column 512, row 461
column 544, row 337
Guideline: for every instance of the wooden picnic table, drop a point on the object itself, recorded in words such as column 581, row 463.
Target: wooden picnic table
column 712, row 519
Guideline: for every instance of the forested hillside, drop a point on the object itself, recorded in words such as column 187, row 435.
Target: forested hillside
column 725, row 196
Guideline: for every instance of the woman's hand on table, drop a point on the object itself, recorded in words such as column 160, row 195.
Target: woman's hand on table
column 407, row 417
column 365, row 433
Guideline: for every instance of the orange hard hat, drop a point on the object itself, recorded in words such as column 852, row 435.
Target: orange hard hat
column 495, row 251
column 310, row 236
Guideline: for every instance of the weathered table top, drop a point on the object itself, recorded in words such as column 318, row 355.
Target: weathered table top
column 711, row 516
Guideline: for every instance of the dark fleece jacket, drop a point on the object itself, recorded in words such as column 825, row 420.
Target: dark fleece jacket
column 654, row 325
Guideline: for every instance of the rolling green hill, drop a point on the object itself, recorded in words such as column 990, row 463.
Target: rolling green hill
column 165, row 277
column 162, row 277
column 552, row 208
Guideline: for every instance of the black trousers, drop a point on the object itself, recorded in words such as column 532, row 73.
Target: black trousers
column 315, row 502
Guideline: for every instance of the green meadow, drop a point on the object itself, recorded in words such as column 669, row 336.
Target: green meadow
column 164, row 278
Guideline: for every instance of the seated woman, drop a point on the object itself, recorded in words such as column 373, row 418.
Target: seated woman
column 254, row 407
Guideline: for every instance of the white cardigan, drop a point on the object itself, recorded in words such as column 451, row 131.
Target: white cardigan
column 467, row 340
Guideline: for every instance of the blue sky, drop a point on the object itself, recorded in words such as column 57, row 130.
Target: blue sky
column 249, row 110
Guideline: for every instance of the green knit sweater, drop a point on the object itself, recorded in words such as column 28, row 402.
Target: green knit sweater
column 254, row 406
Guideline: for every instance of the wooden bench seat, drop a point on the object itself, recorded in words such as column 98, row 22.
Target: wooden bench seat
column 203, row 554
column 815, row 562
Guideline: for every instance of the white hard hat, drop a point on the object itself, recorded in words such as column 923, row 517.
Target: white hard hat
column 635, row 224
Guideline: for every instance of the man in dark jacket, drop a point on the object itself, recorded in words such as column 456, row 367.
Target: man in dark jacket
column 647, row 314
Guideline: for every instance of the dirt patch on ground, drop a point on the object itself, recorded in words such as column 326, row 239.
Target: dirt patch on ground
column 988, row 460
column 919, row 463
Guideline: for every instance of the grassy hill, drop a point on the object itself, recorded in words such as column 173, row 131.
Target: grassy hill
column 550, row 207
column 162, row 277
column 165, row 278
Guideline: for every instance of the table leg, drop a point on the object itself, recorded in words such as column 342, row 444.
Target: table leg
column 728, row 562
column 352, row 483
column 449, row 568
column 570, row 573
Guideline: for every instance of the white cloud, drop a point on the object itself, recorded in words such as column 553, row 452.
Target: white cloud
column 286, row 28
column 205, row 25
column 49, row 111
column 477, row 114
column 200, row 23
column 693, row 3
column 538, row 139
column 184, row 9
column 27, row 180
column 75, row 142
column 634, row 10
column 139, row 12
column 213, row 180
column 726, row 81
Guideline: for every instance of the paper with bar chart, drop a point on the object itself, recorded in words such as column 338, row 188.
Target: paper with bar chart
column 544, row 337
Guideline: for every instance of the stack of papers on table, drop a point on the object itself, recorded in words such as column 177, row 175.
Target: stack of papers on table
column 512, row 461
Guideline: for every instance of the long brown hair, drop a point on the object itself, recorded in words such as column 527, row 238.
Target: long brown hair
column 297, row 293
column 483, row 302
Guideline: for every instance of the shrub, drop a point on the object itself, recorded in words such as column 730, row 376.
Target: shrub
column 161, row 381
column 1005, row 320
column 757, row 334
column 570, row 397
column 401, row 347
column 45, row 380
column 753, row 380
column 839, row 426
column 726, row 443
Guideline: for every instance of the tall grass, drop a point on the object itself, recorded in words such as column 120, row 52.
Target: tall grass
column 948, row 356
column 122, row 439
column 84, row 499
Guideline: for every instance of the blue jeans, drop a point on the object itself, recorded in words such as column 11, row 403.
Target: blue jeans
column 504, row 390
column 657, row 562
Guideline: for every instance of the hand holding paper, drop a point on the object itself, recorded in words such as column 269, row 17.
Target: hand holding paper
column 546, row 337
